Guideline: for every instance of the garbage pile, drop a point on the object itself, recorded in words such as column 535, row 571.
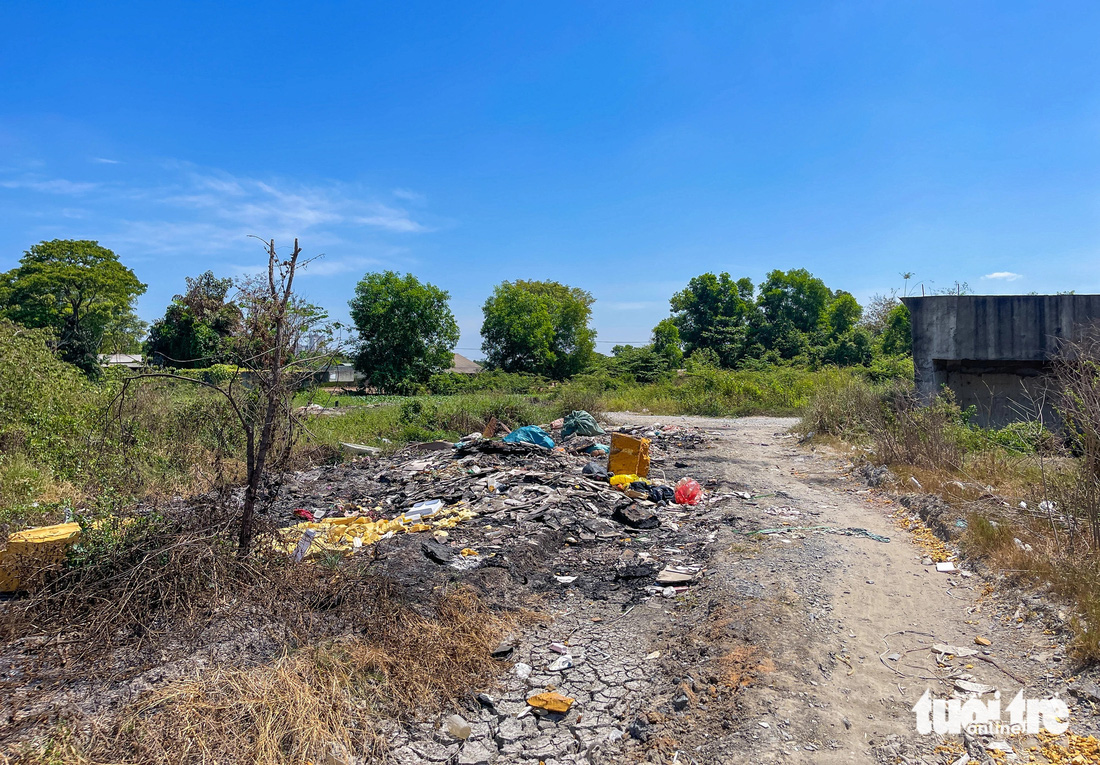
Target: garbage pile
column 569, row 476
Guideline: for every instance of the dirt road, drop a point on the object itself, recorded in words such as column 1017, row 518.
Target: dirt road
column 803, row 646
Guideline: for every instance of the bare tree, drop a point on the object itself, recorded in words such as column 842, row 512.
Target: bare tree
column 260, row 393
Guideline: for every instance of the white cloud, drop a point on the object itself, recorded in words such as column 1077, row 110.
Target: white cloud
column 408, row 195
column 1006, row 276
column 105, row 161
column 52, row 186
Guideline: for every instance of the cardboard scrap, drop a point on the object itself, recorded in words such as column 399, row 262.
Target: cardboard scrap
column 551, row 702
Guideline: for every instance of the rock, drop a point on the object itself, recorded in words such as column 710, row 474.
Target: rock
column 1086, row 691
column 440, row 553
column 504, row 649
column 636, row 571
column 681, row 702
column 983, row 641
column 636, row 517
column 639, row 729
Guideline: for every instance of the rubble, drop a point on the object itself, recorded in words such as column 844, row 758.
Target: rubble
column 510, row 487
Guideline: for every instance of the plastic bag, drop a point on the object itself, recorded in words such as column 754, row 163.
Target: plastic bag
column 595, row 470
column 623, row 480
column 661, row 494
column 688, row 492
column 530, row 434
column 581, row 423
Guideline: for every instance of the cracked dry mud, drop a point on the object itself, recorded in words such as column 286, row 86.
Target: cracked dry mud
column 778, row 654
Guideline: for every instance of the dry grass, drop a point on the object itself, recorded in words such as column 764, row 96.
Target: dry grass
column 331, row 695
column 356, row 650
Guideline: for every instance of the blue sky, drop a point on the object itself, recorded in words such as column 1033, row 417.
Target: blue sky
column 619, row 147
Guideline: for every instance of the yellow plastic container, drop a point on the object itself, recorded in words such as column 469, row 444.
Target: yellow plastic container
column 629, row 456
column 30, row 553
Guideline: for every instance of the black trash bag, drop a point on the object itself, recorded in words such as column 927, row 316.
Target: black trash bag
column 661, row 494
column 596, row 470
column 642, row 486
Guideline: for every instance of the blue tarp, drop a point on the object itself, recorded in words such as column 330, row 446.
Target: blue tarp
column 530, row 434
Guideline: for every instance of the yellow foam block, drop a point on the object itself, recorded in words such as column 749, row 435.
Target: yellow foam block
column 29, row 553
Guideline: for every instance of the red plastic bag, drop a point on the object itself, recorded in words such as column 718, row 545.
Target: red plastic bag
column 688, row 492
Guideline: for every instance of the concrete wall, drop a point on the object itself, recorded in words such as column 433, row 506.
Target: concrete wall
column 993, row 350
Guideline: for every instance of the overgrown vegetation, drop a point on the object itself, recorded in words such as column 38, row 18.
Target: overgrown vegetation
column 1046, row 531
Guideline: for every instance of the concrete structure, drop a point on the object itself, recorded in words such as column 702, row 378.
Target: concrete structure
column 994, row 351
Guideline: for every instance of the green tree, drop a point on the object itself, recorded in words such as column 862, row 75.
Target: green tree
column 715, row 312
column 897, row 335
column 666, row 342
column 407, row 332
column 842, row 314
column 644, row 364
column 197, row 327
column 123, row 334
column 75, row 288
column 538, row 327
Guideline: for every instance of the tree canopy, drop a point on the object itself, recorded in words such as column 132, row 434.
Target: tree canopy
column 197, row 326
column 76, row 288
column 539, row 327
column 406, row 330
column 792, row 316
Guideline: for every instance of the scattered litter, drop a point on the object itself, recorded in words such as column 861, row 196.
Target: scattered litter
column 563, row 662
column 335, row 535
column 561, row 648
column 946, row 567
column 580, row 423
column 595, row 470
column 456, row 726
column 361, row 449
column 521, row 670
column 983, row 641
column 852, row 531
column 304, row 514
column 915, row 483
column 894, row 657
column 468, row 552
column 565, row 579
column 425, row 509
column 688, row 492
column 551, row 702
column 31, row 552
column 652, row 656
column 677, row 575
column 530, row 434
column 968, row 687
column 953, row 650
column 628, row 455
column 763, row 724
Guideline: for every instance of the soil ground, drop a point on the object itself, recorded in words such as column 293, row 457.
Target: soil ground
column 798, row 647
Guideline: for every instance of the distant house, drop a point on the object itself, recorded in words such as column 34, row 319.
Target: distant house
column 341, row 373
column 463, row 366
column 128, row 360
